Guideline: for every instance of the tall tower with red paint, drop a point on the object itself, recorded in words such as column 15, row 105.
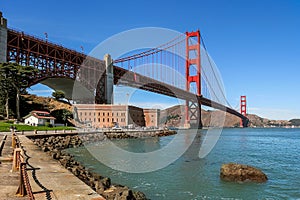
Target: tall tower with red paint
column 193, row 109
column 243, row 108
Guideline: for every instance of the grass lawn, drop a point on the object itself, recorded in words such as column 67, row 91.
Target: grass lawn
column 4, row 127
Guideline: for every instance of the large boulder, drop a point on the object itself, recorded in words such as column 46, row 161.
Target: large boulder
column 118, row 193
column 139, row 195
column 241, row 173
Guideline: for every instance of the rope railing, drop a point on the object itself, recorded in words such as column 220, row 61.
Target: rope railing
column 20, row 165
column 13, row 139
column 24, row 185
column 18, row 158
column 2, row 144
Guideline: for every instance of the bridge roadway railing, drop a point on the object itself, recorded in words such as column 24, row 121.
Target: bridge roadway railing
column 51, row 59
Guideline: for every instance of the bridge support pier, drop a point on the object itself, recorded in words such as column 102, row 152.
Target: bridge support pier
column 193, row 113
column 3, row 39
column 109, row 82
column 245, row 123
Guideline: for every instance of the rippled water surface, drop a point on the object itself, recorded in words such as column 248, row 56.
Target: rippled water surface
column 275, row 151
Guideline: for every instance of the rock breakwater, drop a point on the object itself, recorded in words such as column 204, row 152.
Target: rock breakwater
column 138, row 134
column 102, row 185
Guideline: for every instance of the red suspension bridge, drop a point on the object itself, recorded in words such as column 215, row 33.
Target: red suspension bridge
column 180, row 68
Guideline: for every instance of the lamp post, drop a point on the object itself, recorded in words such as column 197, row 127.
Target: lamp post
column 46, row 36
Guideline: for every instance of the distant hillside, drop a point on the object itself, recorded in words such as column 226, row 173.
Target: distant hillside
column 172, row 116
column 44, row 103
column 295, row 122
column 214, row 118
column 256, row 121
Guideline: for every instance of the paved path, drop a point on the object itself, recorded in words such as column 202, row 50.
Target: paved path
column 8, row 181
column 49, row 180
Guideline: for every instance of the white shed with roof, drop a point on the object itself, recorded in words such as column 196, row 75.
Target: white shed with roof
column 39, row 118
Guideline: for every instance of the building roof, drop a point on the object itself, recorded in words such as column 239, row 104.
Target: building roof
column 107, row 107
column 40, row 115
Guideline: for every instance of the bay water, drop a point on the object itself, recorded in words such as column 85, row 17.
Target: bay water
column 275, row 151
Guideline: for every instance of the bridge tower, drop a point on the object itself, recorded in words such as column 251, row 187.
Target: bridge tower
column 3, row 39
column 193, row 109
column 243, row 109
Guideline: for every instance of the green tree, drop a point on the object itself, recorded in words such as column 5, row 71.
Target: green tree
column 6, row 91
column 58, row 94
column 16, row 77
column 62, row 115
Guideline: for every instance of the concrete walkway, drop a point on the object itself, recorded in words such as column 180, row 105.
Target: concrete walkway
column 48, row 179
column 8, row 181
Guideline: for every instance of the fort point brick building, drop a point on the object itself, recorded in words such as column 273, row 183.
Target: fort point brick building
column 104, row 115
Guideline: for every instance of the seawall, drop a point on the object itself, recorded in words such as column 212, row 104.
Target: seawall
column 54, row 145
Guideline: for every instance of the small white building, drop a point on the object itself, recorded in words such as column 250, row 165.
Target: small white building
column 39, row 118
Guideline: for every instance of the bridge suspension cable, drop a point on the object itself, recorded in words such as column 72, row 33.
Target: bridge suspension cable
column 166, row 63
column 155, row 50
column 214, row 73
column 163, row 63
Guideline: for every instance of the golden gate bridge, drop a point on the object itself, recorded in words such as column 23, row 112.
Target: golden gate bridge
column 180, row 68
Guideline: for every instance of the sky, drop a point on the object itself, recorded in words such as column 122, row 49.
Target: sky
column 255, row 44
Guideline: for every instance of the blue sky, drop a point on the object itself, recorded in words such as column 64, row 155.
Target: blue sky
column 255, row 44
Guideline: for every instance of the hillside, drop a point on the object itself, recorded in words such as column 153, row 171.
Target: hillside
column 295, row 122
column 172, row 116
column 214, row 118
column 45, row 103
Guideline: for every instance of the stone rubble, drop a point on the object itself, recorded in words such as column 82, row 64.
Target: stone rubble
column 102, row 185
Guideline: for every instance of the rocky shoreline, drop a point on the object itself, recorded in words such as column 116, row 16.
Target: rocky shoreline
column 90, row 137
column 137, row 134
column 102, row 185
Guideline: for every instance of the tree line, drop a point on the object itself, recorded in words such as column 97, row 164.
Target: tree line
column 15, row 79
